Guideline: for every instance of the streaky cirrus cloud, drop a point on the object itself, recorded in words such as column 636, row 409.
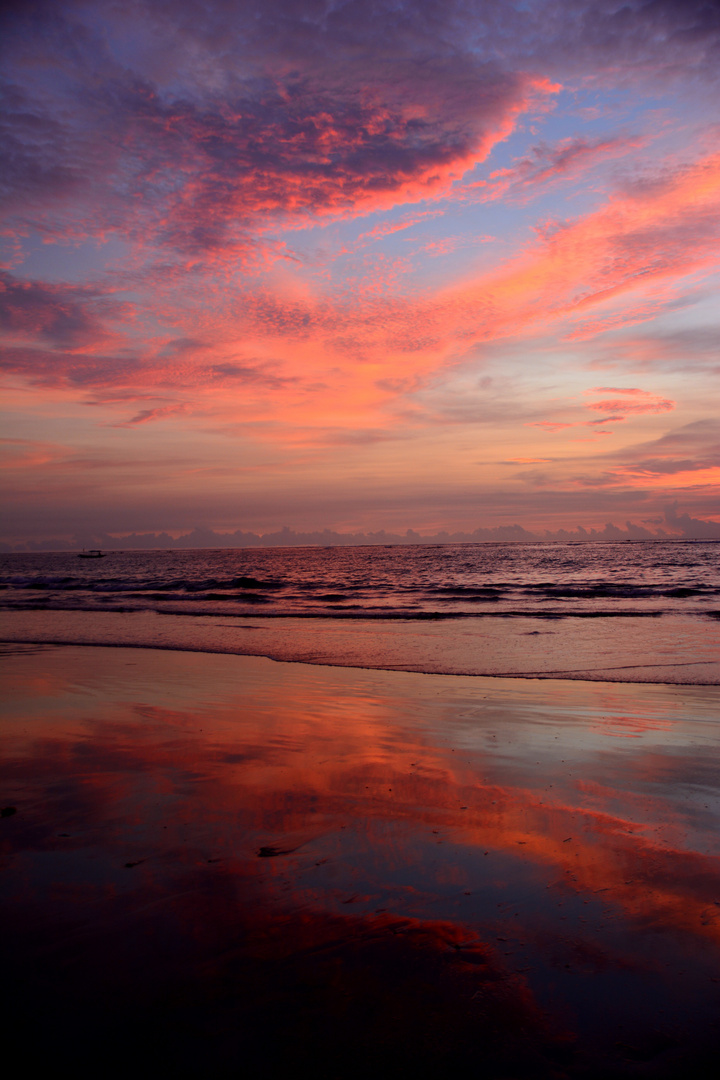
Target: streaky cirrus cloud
column 633, row 400
column 547, row 164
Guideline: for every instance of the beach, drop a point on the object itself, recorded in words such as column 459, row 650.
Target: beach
column 675, row 649
column 218, row 863
column 359, row 570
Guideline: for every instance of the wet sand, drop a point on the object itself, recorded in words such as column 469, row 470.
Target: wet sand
column 677, row 649
column 222, row 865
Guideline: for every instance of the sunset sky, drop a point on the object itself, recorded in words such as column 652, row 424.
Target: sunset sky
column 361, row 265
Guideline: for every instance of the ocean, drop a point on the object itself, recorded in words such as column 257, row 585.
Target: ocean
column 628, row 611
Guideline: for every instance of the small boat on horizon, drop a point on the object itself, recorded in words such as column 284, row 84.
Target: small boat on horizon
column 93, row 553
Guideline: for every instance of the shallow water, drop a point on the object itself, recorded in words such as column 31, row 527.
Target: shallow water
column 678, row 649
column 221, row 863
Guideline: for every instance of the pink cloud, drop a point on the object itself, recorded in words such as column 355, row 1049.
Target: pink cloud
column 651, row 404
column 619, row 408
column 616, row 390
column 386, row 228
column 550, row 425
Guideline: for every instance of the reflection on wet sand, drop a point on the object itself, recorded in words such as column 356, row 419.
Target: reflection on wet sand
column 223, row 863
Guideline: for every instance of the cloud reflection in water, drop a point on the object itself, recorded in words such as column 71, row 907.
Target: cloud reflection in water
column 242, row 863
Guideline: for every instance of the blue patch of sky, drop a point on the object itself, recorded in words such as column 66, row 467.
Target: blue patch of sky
column 70, row 262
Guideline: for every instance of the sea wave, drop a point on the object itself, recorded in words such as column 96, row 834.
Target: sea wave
column 550, row 580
